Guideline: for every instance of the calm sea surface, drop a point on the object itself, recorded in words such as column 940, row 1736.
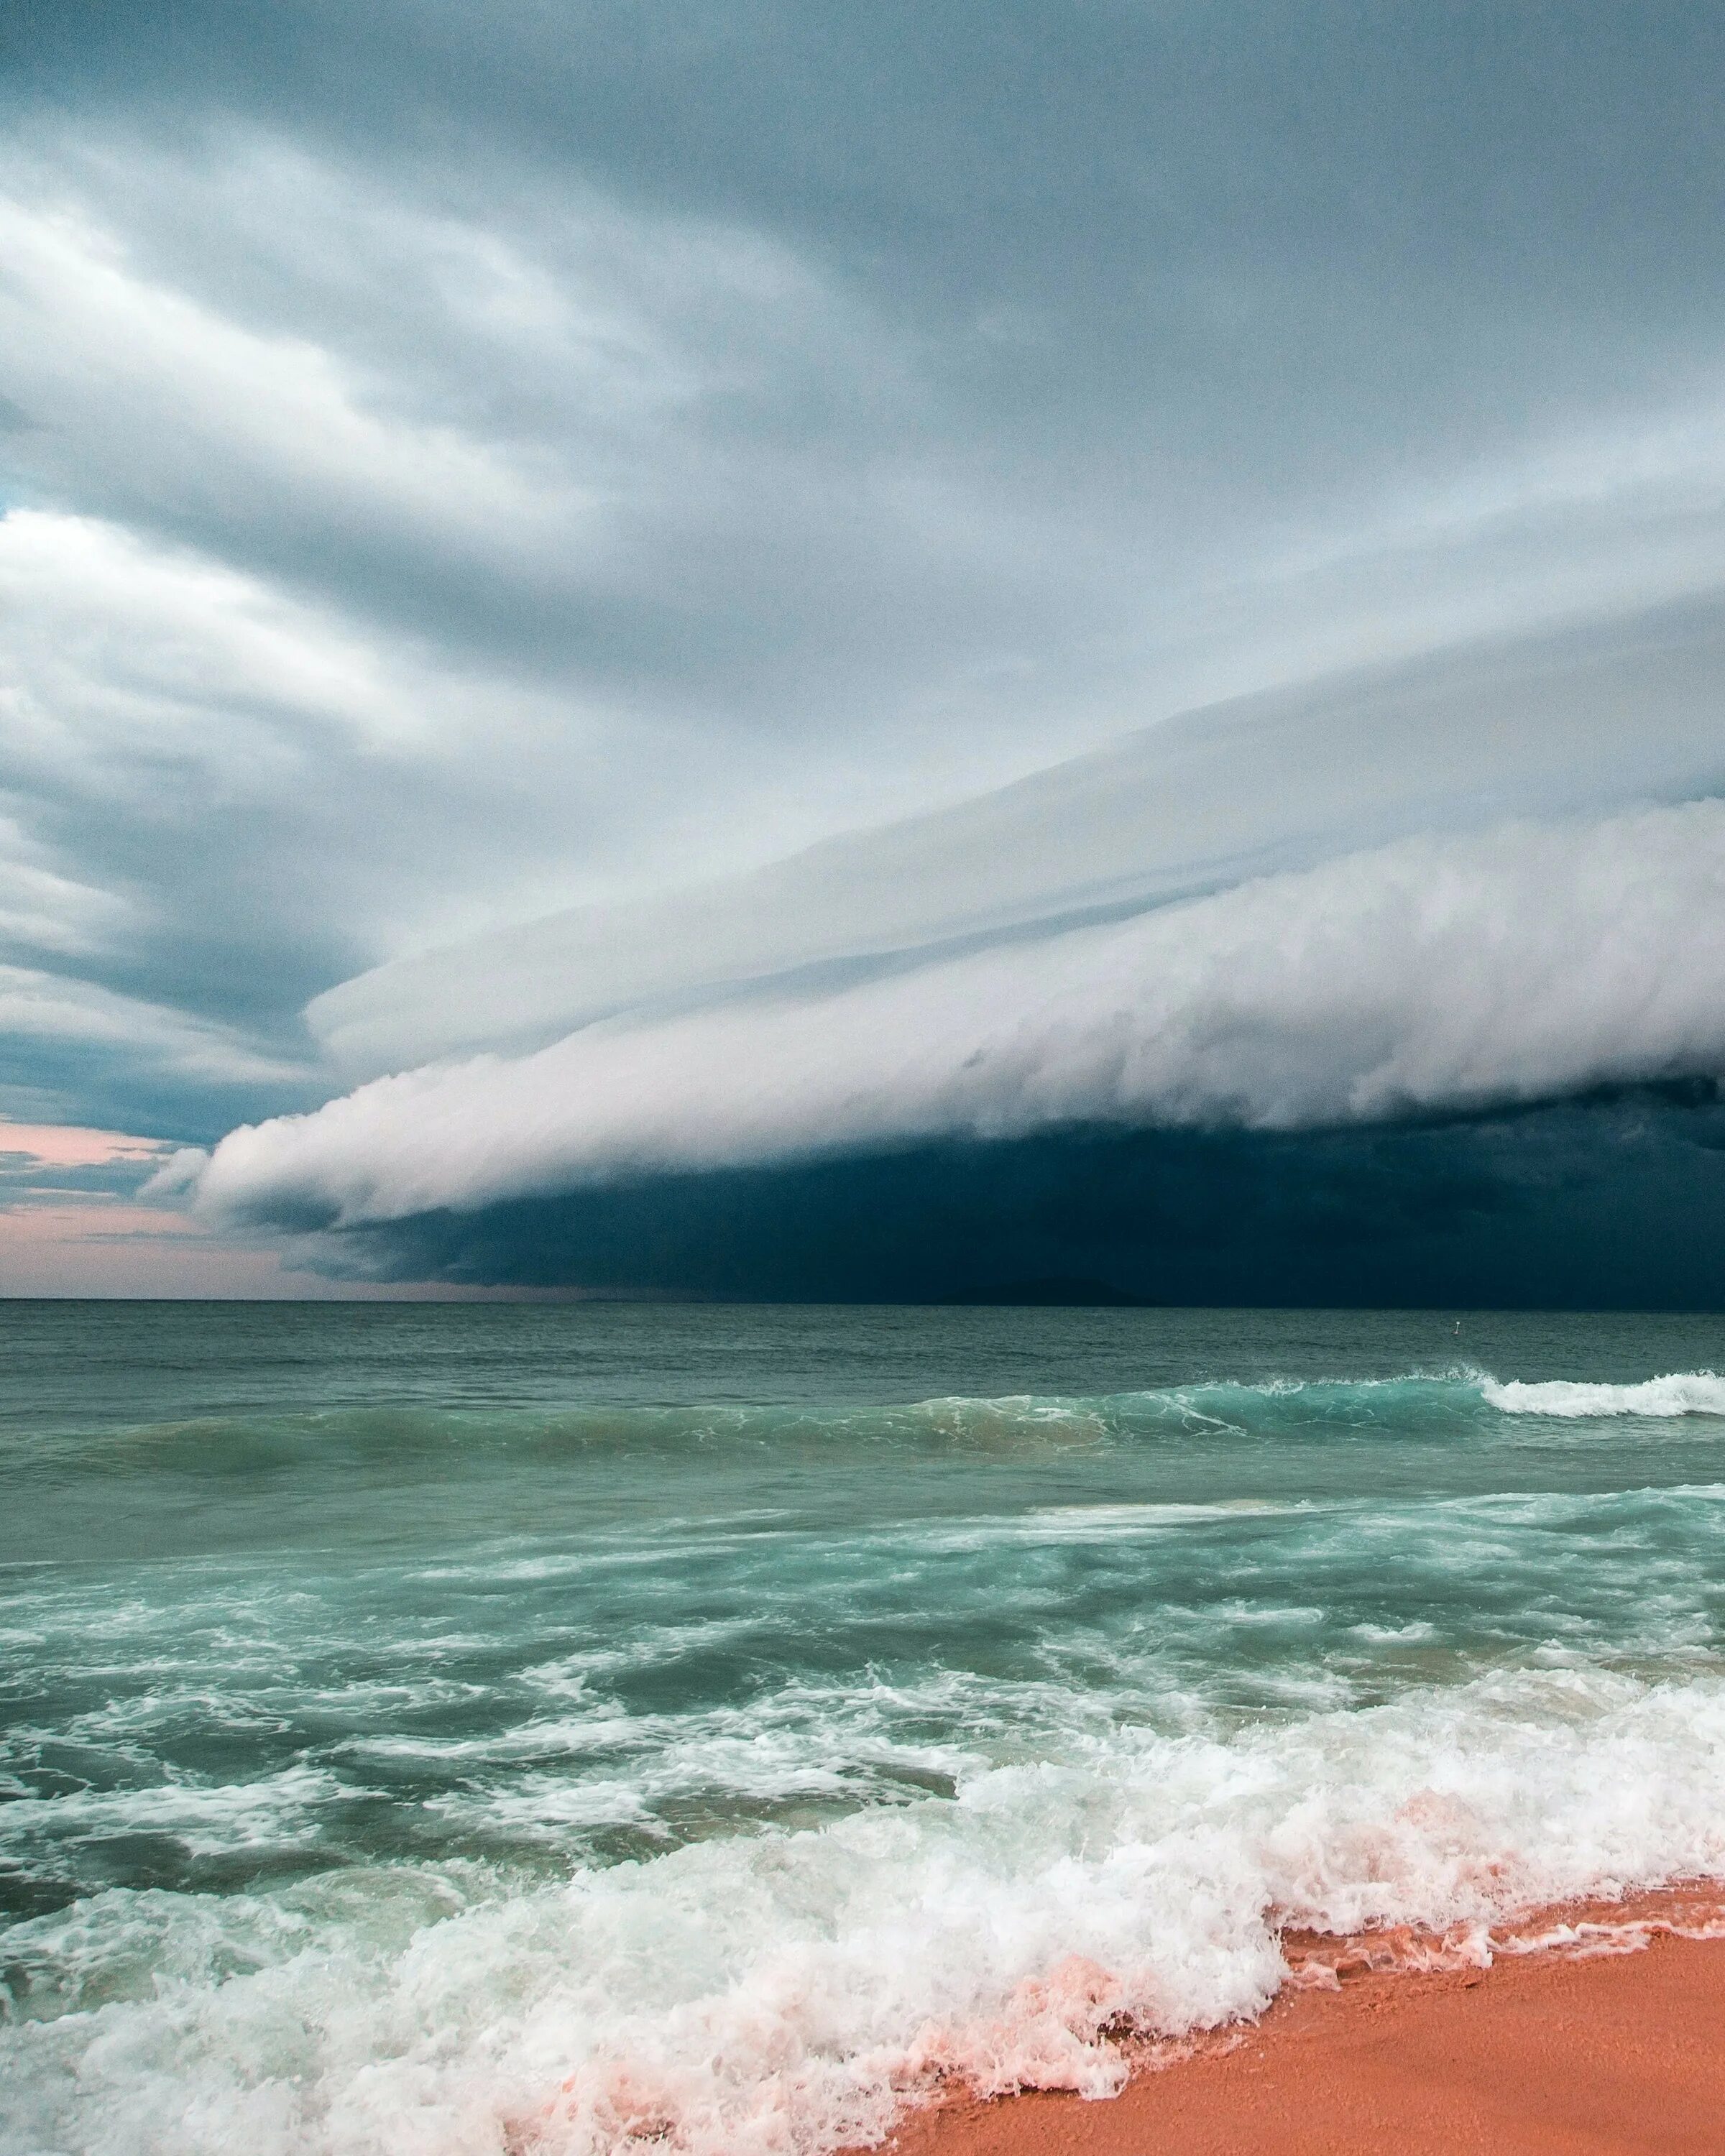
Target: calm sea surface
column 447, row 1728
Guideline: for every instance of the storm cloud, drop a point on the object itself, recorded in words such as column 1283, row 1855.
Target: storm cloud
column 600, row 603
column 1430, row 975
column 1608, row 1203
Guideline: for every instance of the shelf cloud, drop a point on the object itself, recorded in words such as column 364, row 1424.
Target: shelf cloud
column 1429, row 977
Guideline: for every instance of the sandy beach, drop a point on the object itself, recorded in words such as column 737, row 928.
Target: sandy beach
column 1615, row 2041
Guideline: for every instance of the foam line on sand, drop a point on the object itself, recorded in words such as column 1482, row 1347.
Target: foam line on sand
column 1588, row 2031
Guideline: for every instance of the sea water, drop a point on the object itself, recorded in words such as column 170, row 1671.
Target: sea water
column 439, row 1730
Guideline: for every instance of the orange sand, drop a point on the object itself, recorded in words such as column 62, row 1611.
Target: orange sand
column 1548, row 2053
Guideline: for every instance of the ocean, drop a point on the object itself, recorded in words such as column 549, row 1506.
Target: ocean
column 530, row 1730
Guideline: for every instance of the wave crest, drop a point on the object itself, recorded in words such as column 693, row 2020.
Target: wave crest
column 1679, row 1392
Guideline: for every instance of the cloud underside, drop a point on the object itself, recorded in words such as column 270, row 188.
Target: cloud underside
column 1617, row 1202
column 1297, row 1036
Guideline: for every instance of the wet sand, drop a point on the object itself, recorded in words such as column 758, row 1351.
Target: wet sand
column 1541, row 2053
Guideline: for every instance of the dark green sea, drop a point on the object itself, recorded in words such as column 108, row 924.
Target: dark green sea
column 449, row 1730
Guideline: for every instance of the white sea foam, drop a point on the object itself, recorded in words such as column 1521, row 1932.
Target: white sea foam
column 1681, row 1393
column 1078, row 1520
column 762, row 1995
column 206, row 1821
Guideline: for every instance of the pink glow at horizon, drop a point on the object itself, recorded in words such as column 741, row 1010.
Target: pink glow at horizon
column 74, row 1242
column 69, row 1144
column 97, row 1245
column 61, row 1242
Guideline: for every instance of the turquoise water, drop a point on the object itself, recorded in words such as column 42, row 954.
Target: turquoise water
column 460, row 1728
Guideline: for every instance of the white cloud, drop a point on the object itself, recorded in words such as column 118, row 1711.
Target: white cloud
column 41, row 908
column 44, row 1009
column 1584, row 720
column 328, row 374
column 195, row 764
column 153, row 651
column 1429, row 974
column 187, row 411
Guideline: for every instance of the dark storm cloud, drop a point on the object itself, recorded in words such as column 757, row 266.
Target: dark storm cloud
column 1618, row 1202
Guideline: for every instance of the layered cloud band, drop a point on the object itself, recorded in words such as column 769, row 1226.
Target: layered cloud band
column 1429, row 976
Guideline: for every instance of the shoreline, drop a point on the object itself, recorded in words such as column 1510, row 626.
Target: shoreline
column 1597, row 2027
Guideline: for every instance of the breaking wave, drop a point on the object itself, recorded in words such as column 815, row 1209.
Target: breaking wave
column 760, row 1994
column 959, row 1417
column 1682, row 1393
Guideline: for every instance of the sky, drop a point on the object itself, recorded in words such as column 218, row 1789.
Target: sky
column 928, row 652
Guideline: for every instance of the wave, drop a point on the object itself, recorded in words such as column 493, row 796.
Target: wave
column 789, row 1992
column 1681, row 1393
column 1413, row 1395
column 1430, row 1400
